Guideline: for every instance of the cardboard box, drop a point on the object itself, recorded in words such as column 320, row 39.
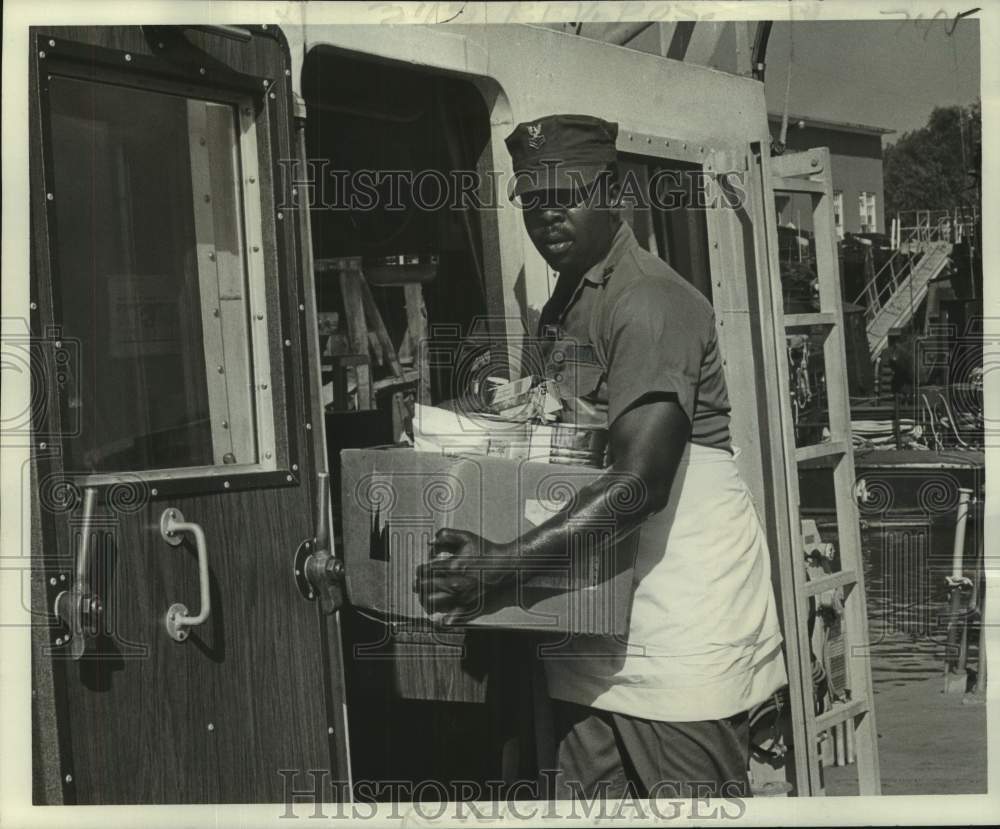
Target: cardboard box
column 394, row 501
column 516, row 394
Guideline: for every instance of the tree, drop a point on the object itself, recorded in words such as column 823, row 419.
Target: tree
column 937, row 166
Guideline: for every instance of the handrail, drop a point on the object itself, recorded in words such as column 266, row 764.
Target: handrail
column 880, row 288
column 944, row 225
column 897, row 266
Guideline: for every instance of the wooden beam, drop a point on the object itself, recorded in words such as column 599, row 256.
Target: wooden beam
column 795, row 605
column 357, row 333
column 416, row 318
column 744, row 59
column 793, row 321
column 840, row 713
column 842, row 579
column 833, row 448
column 680, row 40
column 382, row 335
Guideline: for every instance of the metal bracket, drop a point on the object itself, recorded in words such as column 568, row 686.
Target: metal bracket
column 176, row 613
column 657, row 146
column 805, row 163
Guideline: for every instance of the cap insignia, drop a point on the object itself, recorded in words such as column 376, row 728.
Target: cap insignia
column 535, row 137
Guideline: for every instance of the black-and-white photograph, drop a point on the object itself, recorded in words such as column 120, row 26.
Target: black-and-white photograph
column 562, row 413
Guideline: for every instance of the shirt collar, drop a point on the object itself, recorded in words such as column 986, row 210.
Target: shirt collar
column 624, row 240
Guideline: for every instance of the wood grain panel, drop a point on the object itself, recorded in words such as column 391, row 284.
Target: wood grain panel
column 129, row 698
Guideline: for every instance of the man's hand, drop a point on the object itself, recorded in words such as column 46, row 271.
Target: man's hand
column 465, row 567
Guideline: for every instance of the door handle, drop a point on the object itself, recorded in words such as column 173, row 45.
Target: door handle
column 178, row 619
column 78, row 608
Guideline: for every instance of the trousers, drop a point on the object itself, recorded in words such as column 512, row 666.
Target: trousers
column 609, row 755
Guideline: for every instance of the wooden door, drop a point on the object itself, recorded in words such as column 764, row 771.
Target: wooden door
column 167, row 285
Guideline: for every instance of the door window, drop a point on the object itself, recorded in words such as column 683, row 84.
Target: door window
column 153, row 279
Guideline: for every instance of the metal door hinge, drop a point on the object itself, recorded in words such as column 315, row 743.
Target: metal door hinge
column 723, row 162
column 79, row 608
column 319, row 575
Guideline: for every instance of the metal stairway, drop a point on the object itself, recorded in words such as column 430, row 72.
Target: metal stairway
column 894, row 293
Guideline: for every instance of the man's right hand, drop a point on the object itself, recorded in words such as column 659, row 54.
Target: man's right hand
column 464, row 569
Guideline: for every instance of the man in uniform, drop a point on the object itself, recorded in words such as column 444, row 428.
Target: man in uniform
column 633, row 346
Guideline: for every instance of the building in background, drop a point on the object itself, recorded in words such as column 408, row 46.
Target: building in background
column 856, row 159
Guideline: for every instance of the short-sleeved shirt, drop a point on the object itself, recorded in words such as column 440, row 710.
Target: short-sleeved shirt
column 633, row 327
column 630, row 328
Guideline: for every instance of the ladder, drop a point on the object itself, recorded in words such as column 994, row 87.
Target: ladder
column 809, row 173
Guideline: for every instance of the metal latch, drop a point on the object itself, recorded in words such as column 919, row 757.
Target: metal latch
column 78, row 608
column 318, row 573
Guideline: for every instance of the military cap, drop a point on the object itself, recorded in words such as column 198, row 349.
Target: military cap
column 560, row 152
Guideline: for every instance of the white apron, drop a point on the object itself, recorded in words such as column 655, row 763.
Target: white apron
column 704, row 640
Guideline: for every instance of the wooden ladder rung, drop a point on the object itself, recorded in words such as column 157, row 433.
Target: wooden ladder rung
column 798, row 185
column 821, row 450
column 793, row 321
column 841, row 712
column 816, row 586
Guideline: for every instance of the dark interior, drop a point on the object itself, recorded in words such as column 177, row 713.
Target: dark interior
column 365, row 115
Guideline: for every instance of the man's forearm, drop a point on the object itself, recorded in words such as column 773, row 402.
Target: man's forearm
column 647, row 440
column 603, row 513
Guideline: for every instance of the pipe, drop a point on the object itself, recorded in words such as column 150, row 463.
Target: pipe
column 759, row 50
column 957, row 637
column 981, row 673
column 83, row 548
column 979, row 600
column 840, row 744
column 322, row 510
column 961, row 519
column 896, row 433
column 981, row 666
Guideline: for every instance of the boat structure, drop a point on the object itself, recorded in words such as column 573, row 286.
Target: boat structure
column 232, row 327
column 915, row 370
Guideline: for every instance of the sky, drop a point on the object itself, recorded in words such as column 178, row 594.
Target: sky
column 886, row 73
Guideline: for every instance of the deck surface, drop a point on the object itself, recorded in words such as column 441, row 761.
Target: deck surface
column 929, row 743
column 919, row 458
